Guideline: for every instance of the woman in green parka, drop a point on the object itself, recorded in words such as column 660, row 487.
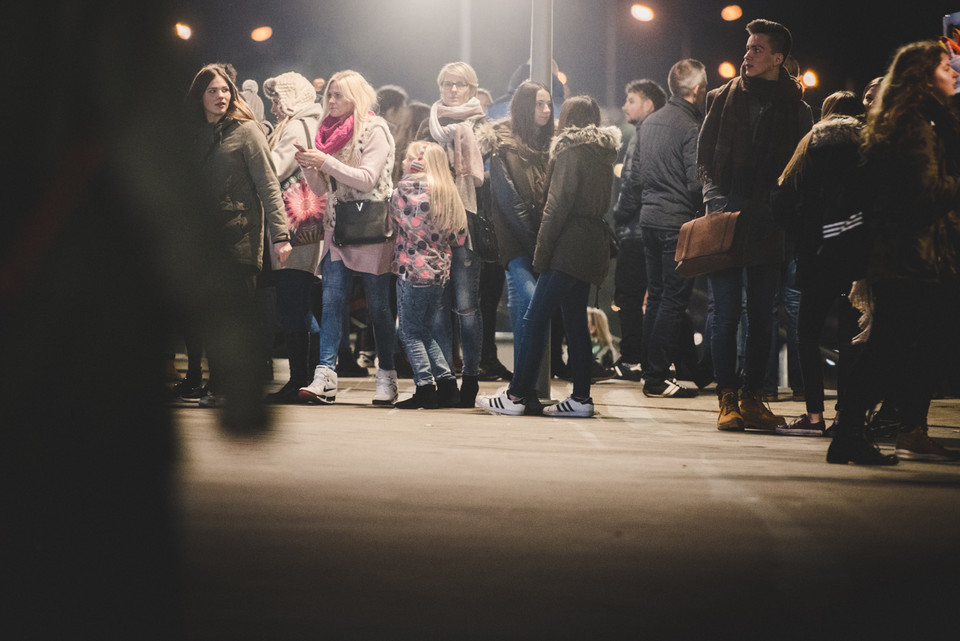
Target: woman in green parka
column 242, row 193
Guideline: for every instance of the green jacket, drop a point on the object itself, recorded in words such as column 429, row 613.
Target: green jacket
column 574, row 238
column 245, row 192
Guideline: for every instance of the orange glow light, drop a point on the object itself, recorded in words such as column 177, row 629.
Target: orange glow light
column 809, row 79
column 183, row 31
column 727, row 70
column 641, row 12
column 562, row 76
column 261, row 33
column 731, row 12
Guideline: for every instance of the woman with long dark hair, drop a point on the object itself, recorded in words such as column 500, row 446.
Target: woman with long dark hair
column 243, row 190
column 572, row 253
column 518, row 173
column 911, row 152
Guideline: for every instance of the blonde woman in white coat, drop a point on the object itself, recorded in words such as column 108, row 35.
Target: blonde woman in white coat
column 354, row 148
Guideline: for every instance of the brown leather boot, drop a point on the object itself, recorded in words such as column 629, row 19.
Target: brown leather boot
column 756, row 414
column 730, row 419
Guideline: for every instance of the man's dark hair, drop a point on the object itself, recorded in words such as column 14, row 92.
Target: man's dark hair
column 650, row 89
column 780, row 39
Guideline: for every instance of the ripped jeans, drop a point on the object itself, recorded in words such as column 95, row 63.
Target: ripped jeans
column 462, row 296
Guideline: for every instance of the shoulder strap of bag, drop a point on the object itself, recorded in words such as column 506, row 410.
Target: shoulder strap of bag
column 306, row 131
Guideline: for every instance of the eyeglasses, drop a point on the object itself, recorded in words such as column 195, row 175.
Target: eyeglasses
column 447, row 85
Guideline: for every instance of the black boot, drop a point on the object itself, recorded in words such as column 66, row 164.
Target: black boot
column 425, row 397
column 469, row 386
column 857, row 448
column 298, row 353
column 447, row 393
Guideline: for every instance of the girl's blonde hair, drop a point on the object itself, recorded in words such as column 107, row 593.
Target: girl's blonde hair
column 357, row 90
column 446, row 208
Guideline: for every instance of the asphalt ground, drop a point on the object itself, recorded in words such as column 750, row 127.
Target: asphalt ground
column 351, row 521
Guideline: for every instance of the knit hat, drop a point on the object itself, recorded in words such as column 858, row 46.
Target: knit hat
column 292, row 91
column 249, row 92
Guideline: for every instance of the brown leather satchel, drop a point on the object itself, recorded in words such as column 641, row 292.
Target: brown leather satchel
column 710, row 243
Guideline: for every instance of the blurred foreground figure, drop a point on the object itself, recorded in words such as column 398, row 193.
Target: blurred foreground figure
column 100, row 254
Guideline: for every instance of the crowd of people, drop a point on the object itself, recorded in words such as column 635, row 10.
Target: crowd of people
column 858, row 209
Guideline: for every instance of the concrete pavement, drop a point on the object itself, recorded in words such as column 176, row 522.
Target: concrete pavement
column 356, row 522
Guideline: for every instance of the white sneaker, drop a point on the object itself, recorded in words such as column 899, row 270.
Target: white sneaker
column 570, row 408
column 386, row 387
column 323, row 389
column 501, row 404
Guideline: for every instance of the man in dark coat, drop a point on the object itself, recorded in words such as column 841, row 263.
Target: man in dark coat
column 663, row 178
column 751, row 129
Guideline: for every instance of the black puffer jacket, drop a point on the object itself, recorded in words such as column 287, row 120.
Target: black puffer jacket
column 822, row 210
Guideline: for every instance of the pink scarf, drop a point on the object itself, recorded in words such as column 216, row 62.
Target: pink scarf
column 333, row 134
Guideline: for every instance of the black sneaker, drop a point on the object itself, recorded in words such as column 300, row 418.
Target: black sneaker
column 668, row 389
column 494, row 371
column 189, row 391
column 628, row 371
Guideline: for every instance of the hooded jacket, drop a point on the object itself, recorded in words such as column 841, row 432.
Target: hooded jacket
column 574, row 237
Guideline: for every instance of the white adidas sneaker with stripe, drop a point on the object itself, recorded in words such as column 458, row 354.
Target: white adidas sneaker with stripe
column 501, row 404
column 570, row 408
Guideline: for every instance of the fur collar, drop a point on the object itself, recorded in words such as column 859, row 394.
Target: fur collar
column 837, row 130
column 608, row 138
column 485, row 135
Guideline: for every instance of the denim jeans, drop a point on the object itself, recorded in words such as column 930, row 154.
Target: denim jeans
column 760, row 284
column 295, row 301
column 337, row 280
column 630, row 287
column 554, row 290
column 520, row 285
column 416, row 308
column 789, row 296
column 667, row 298
column 462, row 296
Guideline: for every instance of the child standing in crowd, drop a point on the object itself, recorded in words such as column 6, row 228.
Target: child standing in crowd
column 430, row 220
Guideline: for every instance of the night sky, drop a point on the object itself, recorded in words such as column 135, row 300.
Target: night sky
column 846, row 42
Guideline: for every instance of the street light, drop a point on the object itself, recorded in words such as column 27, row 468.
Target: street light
column 261, row 33
column 731, row 12
column 809, row 79
column 641, row 12
column 183, row 31
column 727, row 70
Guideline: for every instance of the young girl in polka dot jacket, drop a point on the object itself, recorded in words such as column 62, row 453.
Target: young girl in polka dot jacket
column 429, row 219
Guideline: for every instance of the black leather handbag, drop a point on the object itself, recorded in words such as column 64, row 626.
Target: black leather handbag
column 361, row 222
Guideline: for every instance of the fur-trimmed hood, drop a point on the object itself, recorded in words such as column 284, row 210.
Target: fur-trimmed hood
column 605, row 140
column 837, row 130
column 485, row 135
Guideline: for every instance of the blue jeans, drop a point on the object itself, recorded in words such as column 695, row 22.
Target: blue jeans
column 554, row 289
column 461, row 295
column 295, row 301
column 760, row 282
column 520, row 285
column 416, row 307
column 667, row 298
column 337, row 280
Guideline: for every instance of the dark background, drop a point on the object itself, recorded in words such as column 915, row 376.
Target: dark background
column 846, row 43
